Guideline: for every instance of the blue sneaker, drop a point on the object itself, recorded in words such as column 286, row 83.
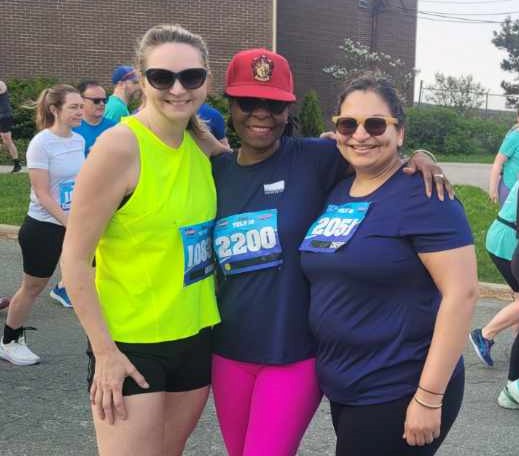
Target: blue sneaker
column 60, row 294
column 482, row 347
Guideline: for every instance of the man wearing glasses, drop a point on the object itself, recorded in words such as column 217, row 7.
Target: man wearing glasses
column 94, row 121
column 126, row 87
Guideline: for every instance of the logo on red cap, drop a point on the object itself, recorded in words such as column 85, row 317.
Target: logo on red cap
column 262, row 68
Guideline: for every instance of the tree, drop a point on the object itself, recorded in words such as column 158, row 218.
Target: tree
column 507, row 39
column 359, row 59
column 311, row 116
column 463, row 93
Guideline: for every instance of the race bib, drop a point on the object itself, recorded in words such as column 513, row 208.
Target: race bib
column 248, row 242
column 334, row 228
column 198, row 251
column 65, row 194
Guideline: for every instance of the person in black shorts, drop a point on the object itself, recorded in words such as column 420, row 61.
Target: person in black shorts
column 54, row 157
column 6, row 125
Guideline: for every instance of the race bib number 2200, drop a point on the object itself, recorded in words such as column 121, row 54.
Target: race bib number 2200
column 247, row 242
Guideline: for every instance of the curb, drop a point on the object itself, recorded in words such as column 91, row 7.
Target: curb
column 9, row 232
column 486, row 290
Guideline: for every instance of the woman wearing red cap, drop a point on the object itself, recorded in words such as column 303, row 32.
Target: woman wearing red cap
column 269, row 192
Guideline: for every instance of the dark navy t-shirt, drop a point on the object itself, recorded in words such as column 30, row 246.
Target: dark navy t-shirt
column 373, row 303
column 265, row 313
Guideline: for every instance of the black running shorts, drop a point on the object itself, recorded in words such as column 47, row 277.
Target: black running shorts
column 41, row 244
column 174, row 366
column 6, row 124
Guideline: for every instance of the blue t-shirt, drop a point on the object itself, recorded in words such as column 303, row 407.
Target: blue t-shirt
column 501, row 239
column 510, row 148
column 214, row 119
column 116, row 108
column 265, row 312
column 91, row 132
column 373, row 303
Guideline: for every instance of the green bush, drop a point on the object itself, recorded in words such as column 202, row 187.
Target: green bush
column 442, row 130
column 310, row 118
column 21, row 92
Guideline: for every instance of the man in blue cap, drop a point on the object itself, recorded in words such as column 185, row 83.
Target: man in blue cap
column 126, row 86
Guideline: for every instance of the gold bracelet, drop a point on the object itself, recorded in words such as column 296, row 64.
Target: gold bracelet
column 427, row 405
column 426, row 152
column 430, row 392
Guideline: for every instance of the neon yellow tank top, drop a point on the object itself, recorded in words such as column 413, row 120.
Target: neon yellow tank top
column 146, row 260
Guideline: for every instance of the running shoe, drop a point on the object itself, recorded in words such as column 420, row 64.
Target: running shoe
column 60, row 294
column 4, row 302
column 508, row 396
column 482, row 346
column 17, row 167
column 17, row 352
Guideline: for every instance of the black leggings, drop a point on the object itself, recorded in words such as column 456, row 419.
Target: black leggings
column 508, row 269
column 513, row 369
column 376, row 430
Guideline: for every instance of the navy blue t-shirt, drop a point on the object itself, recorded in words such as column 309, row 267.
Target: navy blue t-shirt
column 214, row 119
column 373, row 303
column 265, row 313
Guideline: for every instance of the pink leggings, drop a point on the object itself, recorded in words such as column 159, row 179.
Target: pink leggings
column 264, row 409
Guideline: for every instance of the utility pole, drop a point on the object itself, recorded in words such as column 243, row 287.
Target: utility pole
column 377, row 7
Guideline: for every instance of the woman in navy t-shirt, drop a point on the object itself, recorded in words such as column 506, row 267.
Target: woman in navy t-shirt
column 393, row 288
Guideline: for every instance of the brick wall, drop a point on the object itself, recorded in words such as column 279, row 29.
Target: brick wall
column 309, row 33
column 76, row 39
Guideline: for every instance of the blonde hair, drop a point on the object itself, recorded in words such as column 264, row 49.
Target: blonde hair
column 172, row 33
column 53, row 96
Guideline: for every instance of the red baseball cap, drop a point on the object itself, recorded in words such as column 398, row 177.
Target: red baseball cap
column 259, row 73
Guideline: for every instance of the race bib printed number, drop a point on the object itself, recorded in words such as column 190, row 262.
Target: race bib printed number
column 198, row 251
column 335, row 227
column 248, row 242
column 65, row 194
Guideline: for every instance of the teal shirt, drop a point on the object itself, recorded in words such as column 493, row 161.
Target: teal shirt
column 116, row 108
column 501, row 239
column 510, row 148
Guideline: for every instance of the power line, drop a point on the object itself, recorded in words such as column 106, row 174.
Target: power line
column 456, row 21
column 505, row 13
column 436, row 16
column 458, row 18
column 465, row 3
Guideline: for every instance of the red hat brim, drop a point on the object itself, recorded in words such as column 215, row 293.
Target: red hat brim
column 258, row 91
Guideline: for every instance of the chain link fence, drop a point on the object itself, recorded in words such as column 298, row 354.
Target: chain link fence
column 486, row 103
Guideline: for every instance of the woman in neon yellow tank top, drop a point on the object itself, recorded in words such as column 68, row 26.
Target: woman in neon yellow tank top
column 146, row 199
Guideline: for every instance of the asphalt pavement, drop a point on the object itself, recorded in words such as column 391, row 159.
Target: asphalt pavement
column 476, row 174
column 44, row 408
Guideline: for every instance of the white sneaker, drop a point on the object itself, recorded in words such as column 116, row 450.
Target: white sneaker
column 506, row 400
column 513, row 389
column 18, row 353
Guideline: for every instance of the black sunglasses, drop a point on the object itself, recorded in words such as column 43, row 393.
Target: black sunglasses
column 190, row 78
column 247, row 104
column 374, row 126
column 96, row 101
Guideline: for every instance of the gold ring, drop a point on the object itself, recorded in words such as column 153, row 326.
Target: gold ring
column 440, row 176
